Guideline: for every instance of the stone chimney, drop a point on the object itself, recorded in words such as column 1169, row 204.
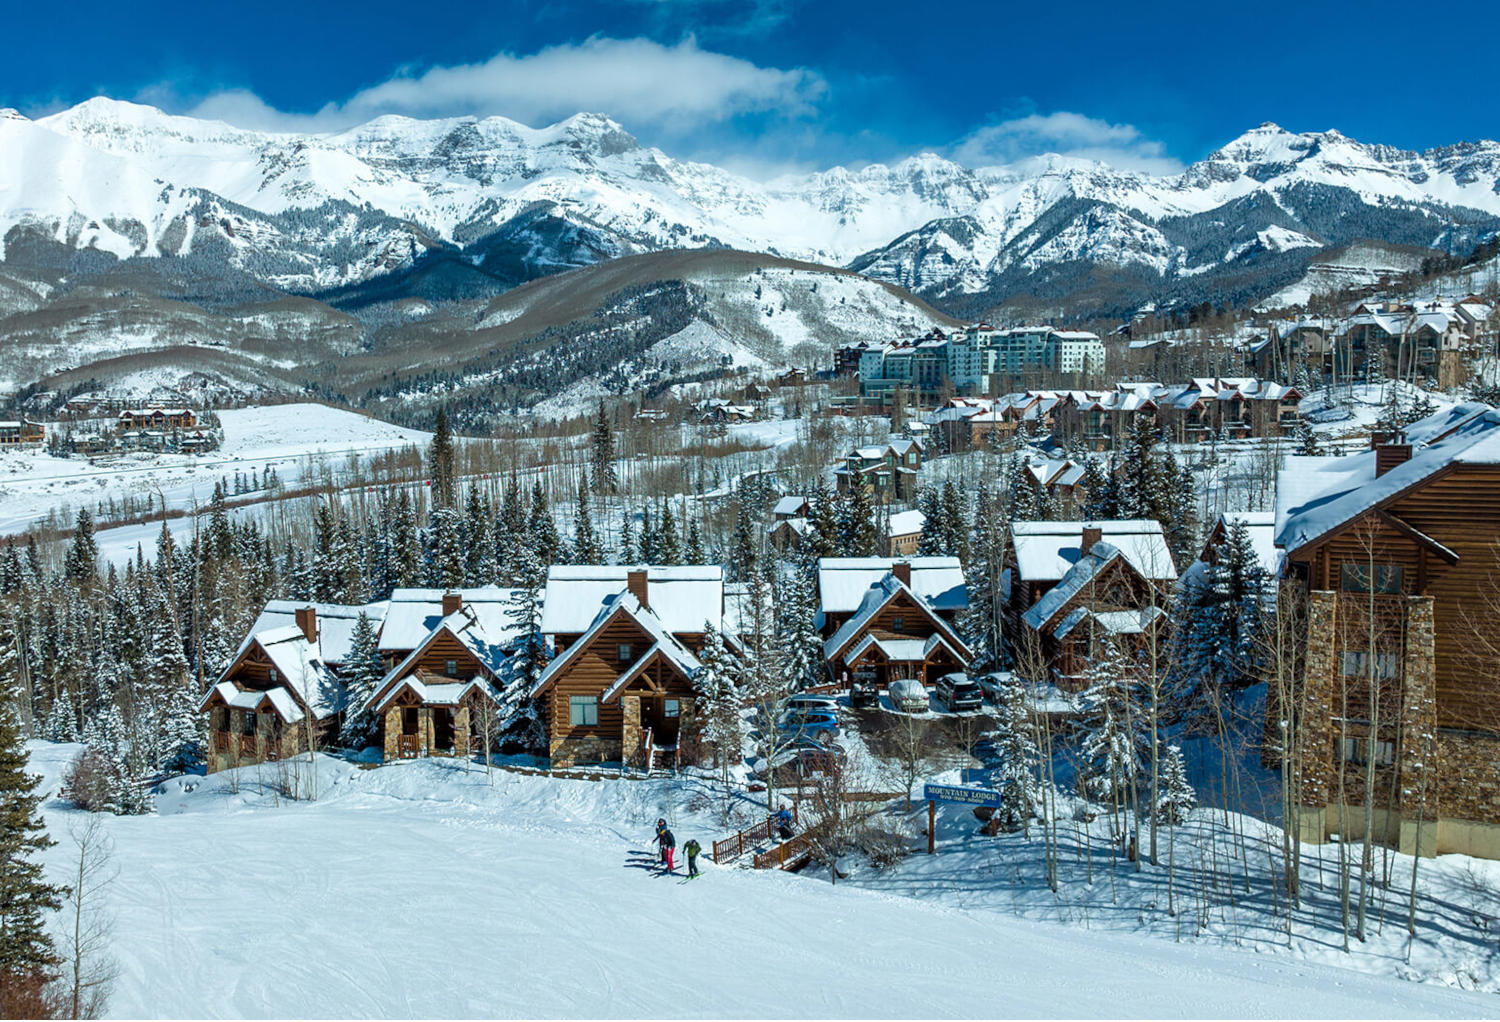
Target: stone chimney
column 1394, row 451
column 452, row 602
column 307, row 620
column 902, row 571
column 1092, row 535
column 635, row 582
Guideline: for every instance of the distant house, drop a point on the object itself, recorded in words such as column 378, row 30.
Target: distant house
column 886, row 472
column 795, row 506
column 619, row 688
column 789, row 533
column 717, row 410
column 905, row 531
column 19, row 432
column 1073, row 583
column 791, row 378
column 891, row 619
column 157, row 418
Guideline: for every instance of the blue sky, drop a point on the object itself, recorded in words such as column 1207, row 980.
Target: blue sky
column 771, row 84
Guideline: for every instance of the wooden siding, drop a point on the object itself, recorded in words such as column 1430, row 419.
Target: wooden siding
column 594, row 669
column 444, row 647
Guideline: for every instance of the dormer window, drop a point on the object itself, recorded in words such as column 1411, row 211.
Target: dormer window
column 898, row 624
column 451, row 668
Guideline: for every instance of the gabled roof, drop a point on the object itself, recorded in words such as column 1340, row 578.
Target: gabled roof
column 1046, row 551
column 1319, row 496
column 279, row 699
column 615, row 606
column 1114, row 622
column 335, row 622
column 844, row 581
column 683, row 598
column 789, row 505
column 671, row 652
column 442, row 694
column 876, row 598
column 414, row 613
column 903, row 650
column 1079, row 577
column 299, row 666
column 464, row 625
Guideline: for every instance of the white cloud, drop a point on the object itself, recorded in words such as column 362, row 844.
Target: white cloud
column 636, row 81
column 1067, row 134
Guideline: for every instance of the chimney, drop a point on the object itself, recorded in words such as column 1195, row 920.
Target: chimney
column 451, row 602
column 1092, row 535
column 635, row 582
column 1395, row 451
column 307, row 620
column 902, row 571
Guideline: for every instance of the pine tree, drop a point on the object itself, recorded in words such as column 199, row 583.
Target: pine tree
column 1112, row 745
column 586, row 548
column 1017, row 776
column 1307, row 440
column 858, row 537
column 83, row 553
column 930, row 504
column 524, row 613
column 440, row 463
column 668, row 548
column 1176, row 797
column 744, row 554
column 603, row 452
column 722, row 725
column 983, row 621
column 363, row 673
column 62, row 722
column 479, row 566
column 26, row 950
column 629, row 552
column 823, row 536
column 693, row 552
column 445, row 548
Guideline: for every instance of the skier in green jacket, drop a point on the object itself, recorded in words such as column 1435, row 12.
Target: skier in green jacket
column 692, row 848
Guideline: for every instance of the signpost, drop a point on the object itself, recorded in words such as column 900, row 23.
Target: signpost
column 935, row 793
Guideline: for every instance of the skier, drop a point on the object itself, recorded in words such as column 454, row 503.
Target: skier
column 661, row 852
column 692, row 848
column 783, row 820
column 668, row 846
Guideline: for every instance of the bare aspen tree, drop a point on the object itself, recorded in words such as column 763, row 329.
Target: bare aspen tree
column 89, row 969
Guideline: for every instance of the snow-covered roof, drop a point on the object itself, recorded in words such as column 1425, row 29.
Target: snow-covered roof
column 465, row 625
column 624, row 602
column 299, row 665
column 250, row 699
column 789, row 505
column 442, row 694
column 906, row 523
column 683, row 598
column 844, row 581
column 414, row 613
column 1045, row 551
column 1114, row 622
column 901, row 650
column 1078, row 577
column 870, row 605
column 335, row 623
column 1320, row 495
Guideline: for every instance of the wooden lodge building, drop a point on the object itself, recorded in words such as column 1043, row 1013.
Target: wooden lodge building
column 625, row 642
column 884, row 618
column 1396, row 551
column 1075, row 585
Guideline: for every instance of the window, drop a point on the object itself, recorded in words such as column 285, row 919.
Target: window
column 1357, row 664
column 249, row 723
column 274, row 676
column 671, row 708
column 1355, row 749
column 1357, row 578
column 623, row 653
column 583, row 711
column 451, row 668
column 898, row 623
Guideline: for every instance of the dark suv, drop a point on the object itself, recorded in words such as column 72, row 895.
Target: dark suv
column 958, row 693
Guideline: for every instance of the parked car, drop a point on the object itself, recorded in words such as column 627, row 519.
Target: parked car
column 829, row 704
column 820, row 727
column 864, row 695
column 908, row 695
column 993, row 683
column 958, row 693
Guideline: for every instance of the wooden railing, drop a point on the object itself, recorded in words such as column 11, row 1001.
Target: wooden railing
column 408, row 746
column 733, row 846
column 789, row 853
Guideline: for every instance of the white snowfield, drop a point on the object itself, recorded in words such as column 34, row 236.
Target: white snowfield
column 420, row 890
column 299, row 441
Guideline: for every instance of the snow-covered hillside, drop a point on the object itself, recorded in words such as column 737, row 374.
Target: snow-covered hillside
column 315, row 211
column 422, row 889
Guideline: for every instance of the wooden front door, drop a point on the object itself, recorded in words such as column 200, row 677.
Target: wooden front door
column 409, row 742
column 442, row 728
column 663, row 715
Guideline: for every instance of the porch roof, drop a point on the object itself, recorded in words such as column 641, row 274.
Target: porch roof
column 906, row 651
column 442, row 694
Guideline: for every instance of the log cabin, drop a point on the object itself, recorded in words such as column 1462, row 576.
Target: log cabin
column 843, row 583
column 427, row 703
column 625, row 640
column 284, row 672
column 894, row 633
column 1394, row 551
column 1112, row 575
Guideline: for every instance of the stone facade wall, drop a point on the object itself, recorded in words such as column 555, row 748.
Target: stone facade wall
column 1316, row 732
column 572, row 752
column 630, row 728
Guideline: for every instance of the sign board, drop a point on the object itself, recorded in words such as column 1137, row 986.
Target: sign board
column 979, row 776
column 956, row 793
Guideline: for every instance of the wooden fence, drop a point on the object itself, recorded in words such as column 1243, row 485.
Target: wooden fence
column 733, row 846
column 789, row 853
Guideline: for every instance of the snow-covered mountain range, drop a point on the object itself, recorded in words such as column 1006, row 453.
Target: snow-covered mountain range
column 314, row 213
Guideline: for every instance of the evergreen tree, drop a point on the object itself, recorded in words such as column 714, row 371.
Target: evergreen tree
column 479, row 566
column 743, row 556
column 629, row 552
column 445, row 548
column 603, row 452
column 62, row 722
column 983, row 621
column 1307, row 440
column 823, row 538
column 26, row 950
column 858, row 537
column 717, row 683
column 931, row 506
column 441, row 466
column 1112, row 746
column 1176, row 797
column 525, row 615
column 83, row 553
column 1017, row 776
column 363, row 673
column 668, row 548
column 693, row 552
column 541, row 527
column 586, row 548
